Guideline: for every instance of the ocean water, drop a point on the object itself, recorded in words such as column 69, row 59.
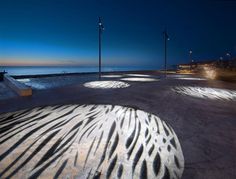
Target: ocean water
column 39, row 70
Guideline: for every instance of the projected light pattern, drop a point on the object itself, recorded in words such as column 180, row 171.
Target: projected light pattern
column 196, row 79
column 138, row 75
column 177, row 76
column 88, row 141
column 112, row 76
column 210, row 93
column 106, row 84
column 140, row 79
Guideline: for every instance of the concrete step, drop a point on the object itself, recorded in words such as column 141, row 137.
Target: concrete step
column 20, row 88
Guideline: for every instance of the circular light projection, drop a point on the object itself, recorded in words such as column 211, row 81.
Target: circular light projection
column 88, row 141
column 210, row 93
column 177, row 76
column 112, row 76
column 140, row 79
column 194, row 79
column 138, row 75
column 106, row 84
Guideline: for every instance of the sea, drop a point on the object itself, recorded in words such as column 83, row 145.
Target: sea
column 40, row 70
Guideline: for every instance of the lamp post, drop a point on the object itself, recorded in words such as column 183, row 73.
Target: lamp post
column 220, row 61
column 228, row 63
column 100, row 30
column 190, row 59
column 190, row 55
column 166, row 38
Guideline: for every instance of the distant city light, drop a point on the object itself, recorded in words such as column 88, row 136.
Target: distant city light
column 140, row 79
column 106, row 84
column 208, row 93
column 210, row 72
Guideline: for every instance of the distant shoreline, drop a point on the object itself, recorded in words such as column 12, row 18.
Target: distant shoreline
column 41, row 71
column 82, row 73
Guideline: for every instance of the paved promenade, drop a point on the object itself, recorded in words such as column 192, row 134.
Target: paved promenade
column 199, row 114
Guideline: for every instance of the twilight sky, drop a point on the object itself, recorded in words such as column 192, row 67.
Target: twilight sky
column 57, row 32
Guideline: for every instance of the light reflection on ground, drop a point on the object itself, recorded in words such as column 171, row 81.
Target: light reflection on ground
column 139, row 79
column 106, row 84
column 35, row 85
column 112, row 76
column 197, row 79
column 138, row 75
column 23, row 80
column 204, row 92
column 177, row 76
column 88, row 141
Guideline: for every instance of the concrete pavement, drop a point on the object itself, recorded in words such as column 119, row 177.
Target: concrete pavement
column 205, row 125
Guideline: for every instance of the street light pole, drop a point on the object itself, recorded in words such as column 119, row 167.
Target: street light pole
column 100, row 29
column 166, row 37
column 190, row 58
column 190, row 55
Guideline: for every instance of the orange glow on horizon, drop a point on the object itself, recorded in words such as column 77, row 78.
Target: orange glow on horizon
column 39, row 62
column 31, row 64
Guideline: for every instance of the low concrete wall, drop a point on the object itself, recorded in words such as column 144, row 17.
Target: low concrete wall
column 17, row 86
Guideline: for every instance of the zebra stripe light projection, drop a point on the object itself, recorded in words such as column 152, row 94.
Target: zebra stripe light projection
column 88, row 141
column 138, row 75
column 207, row 93
column 140, row 79
column 194, row 79
column 106, row 84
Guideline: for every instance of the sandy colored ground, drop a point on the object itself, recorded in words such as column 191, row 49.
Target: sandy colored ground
column 201, row 112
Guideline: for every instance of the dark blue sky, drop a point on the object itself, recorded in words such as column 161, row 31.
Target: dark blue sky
column 42, row 32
